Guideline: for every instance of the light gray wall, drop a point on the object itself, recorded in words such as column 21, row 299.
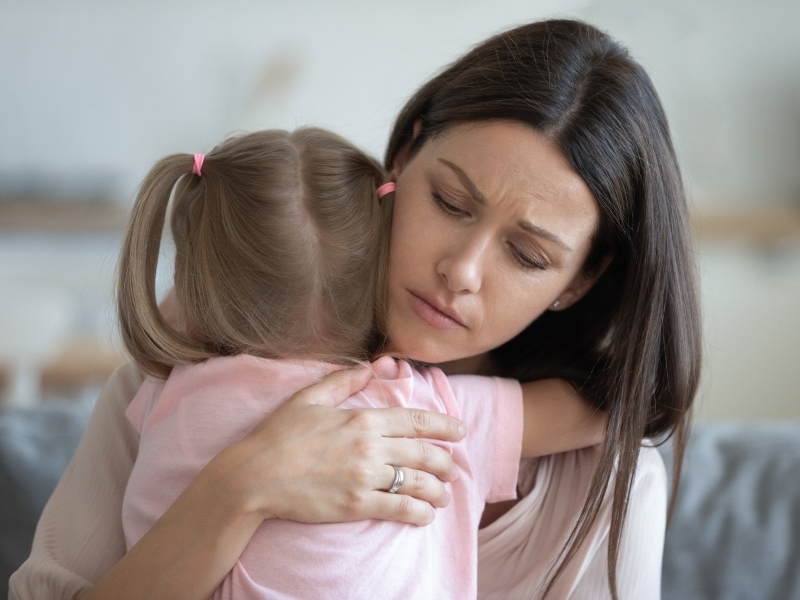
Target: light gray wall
column 728, row 72
column 92, row 92
column 103, row 88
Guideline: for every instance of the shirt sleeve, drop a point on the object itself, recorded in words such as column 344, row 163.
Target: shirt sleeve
column 79, row 536
column 143, row 401
column 491, row 409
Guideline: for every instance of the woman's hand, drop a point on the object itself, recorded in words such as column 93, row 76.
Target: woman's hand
column 308, row 462
column 312, row 462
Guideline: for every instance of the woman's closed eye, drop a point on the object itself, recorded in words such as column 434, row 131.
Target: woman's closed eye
column 449, row 207
column 527, row 259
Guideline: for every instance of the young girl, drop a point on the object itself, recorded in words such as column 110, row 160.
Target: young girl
column 281, row 247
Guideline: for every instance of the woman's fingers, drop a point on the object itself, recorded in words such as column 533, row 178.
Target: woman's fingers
column 335, row 387
column 420, row 485
column 420, row 455
column 402, row 508
column 418, row 423
column 409, row 423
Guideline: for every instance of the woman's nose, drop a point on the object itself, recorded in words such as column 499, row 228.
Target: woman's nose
column 462, row 268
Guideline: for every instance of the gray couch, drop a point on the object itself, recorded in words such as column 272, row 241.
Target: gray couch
column 35, row 447
column 735, row 533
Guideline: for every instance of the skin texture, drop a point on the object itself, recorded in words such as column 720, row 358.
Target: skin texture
column 491, row 226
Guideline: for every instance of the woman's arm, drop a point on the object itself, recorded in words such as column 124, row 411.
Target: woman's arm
column 306, row 462
column 557, row 419
column 79, row 535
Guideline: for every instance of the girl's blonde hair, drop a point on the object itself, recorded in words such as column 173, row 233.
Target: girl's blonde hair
column 280, row 250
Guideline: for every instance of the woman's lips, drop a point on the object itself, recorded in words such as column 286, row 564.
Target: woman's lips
column 433, row 315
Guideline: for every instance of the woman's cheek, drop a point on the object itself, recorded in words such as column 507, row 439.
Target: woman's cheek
column 517, row 301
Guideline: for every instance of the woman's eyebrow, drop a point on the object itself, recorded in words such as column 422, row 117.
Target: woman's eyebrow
column 536, row 230
column 478, row 196
column 465, row 181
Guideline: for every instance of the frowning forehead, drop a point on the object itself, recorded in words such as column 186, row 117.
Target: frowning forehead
column 510, row 165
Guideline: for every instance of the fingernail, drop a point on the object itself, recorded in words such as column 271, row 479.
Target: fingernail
column 462, row 430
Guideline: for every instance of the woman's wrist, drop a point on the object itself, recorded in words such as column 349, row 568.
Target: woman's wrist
column 240, row 495
column 191, row 548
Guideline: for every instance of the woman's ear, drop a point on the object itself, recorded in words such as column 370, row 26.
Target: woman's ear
column 580, row 285
column 404, row 152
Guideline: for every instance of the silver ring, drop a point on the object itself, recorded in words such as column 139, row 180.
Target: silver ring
column 399, row 478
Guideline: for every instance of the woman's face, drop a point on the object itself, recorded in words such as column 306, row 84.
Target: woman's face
column 491, row 226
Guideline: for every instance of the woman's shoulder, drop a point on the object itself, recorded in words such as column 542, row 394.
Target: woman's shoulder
column 650, row 469
column 122, row 384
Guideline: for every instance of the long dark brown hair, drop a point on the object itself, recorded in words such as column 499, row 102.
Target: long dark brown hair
column 280, row 251
column 632, row 345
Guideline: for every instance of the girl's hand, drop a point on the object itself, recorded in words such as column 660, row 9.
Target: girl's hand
column 312, row 462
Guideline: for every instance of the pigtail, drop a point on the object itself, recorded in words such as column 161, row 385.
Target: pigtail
column 278, row 252
column 154, row 344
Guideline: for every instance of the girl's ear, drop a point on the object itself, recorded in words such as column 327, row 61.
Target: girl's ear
column 580, row 285
column 404, row 152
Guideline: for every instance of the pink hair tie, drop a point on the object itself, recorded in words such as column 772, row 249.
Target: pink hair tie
column 386, row 188
column 198, row 164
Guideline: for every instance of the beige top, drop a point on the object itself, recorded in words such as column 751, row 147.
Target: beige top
column 80, row 537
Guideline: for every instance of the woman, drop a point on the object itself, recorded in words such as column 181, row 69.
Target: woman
column 540, row 231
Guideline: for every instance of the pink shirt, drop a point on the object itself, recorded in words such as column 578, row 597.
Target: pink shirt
column 201, row 409
column 79, row 537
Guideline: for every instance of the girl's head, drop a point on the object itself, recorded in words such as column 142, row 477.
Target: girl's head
column 279, row 251
column 552, row 130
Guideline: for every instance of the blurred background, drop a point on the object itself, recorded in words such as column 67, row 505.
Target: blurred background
column 93, row 92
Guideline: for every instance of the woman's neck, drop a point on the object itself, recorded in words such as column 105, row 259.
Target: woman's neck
column 480, row 364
